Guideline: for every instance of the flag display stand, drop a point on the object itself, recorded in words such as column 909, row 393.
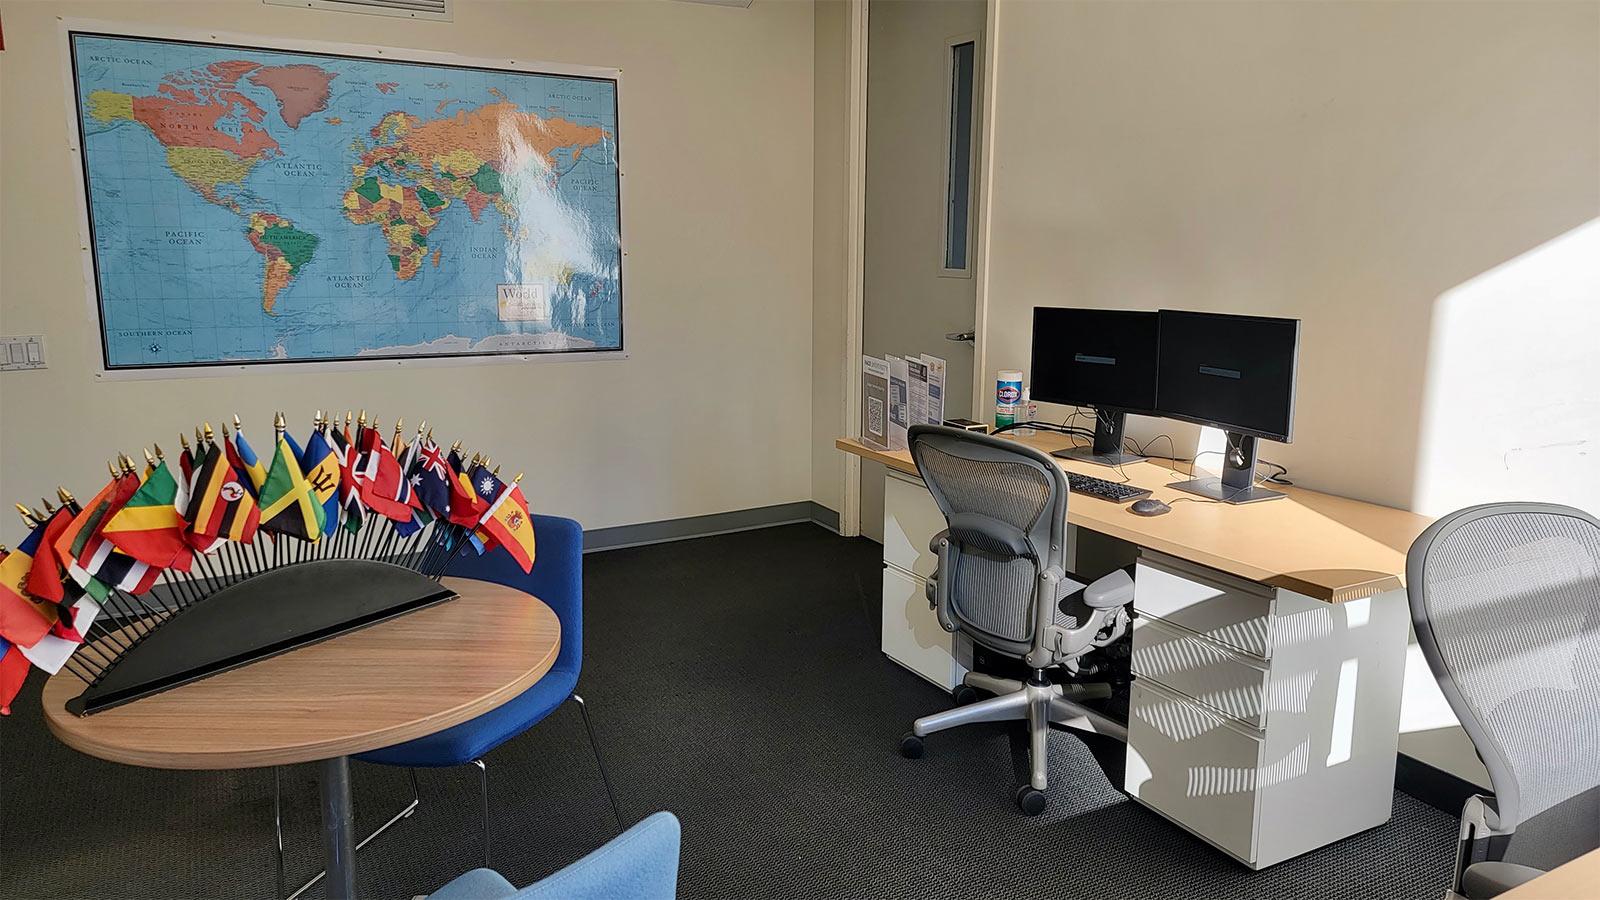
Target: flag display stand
column 265, row 615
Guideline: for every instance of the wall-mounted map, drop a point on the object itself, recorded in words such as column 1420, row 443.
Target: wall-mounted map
column 250, row 205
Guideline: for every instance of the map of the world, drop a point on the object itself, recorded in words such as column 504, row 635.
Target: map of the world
column 250, row 205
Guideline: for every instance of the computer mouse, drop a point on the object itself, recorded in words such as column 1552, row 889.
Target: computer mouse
column 1148, row 507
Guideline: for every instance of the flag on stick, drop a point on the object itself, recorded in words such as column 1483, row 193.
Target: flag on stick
column 243, row 458
column 149, row 527
column 13, row 671
column 24, row 618
column 219, row 506
column 321, row 466
column 509, row 523
column 349, row 496
column 288, row 505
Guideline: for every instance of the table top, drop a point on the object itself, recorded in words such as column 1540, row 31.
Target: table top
column 1576, row 880
column 382, row 685
column 1320, row 545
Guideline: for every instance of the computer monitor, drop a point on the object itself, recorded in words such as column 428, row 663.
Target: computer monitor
column 1100, row 358
column 1236, row 373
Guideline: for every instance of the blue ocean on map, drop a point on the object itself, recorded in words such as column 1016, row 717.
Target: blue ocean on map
column 252, row 205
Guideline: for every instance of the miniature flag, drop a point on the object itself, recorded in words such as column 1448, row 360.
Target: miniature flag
column 349, row 496
column 321, row 466
column 219, row 506
column 53, row 650
column 70, row 543
column 96, row 567
column 509, row 523
column 488, row 486
column 420, row 516
column 379, row 478
column 288, row 505
column 466, row 507
column 24, row 619
column 13, row 672
column 243, row 459
column 45, row 581
column 430, row 481
column 149, row 527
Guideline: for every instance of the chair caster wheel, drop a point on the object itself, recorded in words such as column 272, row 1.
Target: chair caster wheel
column 1032, row 802
column 964, row 694
column 910, row 746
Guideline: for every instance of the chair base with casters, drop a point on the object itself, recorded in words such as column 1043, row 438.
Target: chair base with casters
column 416, row 801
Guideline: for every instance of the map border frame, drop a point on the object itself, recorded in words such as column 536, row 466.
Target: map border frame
column 69, row 27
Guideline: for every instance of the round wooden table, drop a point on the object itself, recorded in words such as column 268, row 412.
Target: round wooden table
column 383, row 685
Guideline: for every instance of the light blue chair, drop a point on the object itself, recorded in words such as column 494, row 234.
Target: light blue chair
column 556, row 579
column 639, row 864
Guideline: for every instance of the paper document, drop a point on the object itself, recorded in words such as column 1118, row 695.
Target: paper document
column 899, row 403
column 875, row 402
column 936, row 369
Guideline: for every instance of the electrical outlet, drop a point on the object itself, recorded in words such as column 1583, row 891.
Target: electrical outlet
column 22, row 352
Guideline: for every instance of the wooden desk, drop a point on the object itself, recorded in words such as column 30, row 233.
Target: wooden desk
column 386, row 684
column 1268, row 647
column 1577, row 880
column 1326, row 547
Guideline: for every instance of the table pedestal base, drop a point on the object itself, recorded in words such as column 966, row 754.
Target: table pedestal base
column 338, row 828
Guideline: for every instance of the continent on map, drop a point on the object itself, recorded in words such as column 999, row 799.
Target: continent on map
column 387, row 87
column 404, row 213
column 469, row 156
column 301, row 90
column 214, row 137
column 284, row 250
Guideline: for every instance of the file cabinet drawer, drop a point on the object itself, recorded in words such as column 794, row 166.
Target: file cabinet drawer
column 1228, row 610
column 1193, row 766
column 912, row 635
column 1227, row 682
column 910, row 520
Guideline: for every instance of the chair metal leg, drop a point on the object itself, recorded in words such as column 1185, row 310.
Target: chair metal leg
column 594, row 744
column 483, row 789
column 277, row 819
column 1073, row 715
column 1039, row 741
column 1004, row 708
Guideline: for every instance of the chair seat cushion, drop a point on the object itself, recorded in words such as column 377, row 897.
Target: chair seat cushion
column 472, row 739
column 1490, row 879
column 479, row 884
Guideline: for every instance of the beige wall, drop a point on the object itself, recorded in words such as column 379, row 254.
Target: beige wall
column 1358, row 166
column 829, row 234
column 717, row 145
column 1343, row 163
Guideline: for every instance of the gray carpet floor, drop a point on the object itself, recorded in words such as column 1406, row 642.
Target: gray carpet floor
column 735, row 680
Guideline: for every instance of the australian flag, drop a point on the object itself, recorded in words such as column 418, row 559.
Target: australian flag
column 431, row 476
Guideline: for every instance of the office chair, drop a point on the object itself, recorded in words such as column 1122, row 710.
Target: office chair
column 557, row 580
column 1001, row 581
column 1505, row 599
column 639, row 864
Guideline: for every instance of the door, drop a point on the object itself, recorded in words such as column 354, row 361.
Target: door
column 924, row 86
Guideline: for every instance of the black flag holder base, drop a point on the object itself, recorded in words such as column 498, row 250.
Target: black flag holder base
column 266, row 614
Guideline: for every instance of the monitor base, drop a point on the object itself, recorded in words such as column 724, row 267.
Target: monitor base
column 1213, row 488
column 1088, row 455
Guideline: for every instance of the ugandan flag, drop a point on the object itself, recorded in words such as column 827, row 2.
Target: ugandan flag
column 219, row 505
column 288, row 502
column 24, row 618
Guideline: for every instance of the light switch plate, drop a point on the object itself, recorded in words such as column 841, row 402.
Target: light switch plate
column 21, row 352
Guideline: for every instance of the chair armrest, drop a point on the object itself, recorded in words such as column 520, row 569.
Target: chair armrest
column 1490, row 879
column 1110, row 591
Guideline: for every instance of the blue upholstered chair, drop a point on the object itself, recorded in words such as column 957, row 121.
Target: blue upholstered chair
column 556, row 579
column 639, row 864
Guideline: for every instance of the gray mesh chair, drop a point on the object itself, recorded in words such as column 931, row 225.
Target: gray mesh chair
column 1506, row 603
column 1002, row 583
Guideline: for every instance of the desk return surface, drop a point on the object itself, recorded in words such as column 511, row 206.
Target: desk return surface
column 1326, row 547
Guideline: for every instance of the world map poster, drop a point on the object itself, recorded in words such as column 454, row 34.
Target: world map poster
column 251, row 205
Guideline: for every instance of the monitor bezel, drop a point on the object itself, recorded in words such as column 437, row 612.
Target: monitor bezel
column 1033, row 387
column 1287, row 437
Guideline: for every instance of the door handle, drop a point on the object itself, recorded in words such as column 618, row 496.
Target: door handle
column 969, row 337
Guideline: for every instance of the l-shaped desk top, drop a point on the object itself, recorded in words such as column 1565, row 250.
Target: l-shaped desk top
column 1327, row 547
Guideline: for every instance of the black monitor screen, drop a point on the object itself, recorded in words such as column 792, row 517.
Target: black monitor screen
column 1103, row 358
column 1234, row 372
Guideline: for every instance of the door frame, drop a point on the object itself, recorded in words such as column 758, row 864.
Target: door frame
column 855, row 253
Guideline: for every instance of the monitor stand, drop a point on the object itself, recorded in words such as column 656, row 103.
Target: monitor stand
column 1238, row 481
column 1107, row 449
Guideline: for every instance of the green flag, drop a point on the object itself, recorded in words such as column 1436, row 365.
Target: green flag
column 288, row 502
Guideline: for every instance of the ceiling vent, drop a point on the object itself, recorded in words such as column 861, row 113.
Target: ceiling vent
column 431, row 10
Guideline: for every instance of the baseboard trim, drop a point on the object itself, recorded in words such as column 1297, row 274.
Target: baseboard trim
column 1432, row 785
column 665, row 530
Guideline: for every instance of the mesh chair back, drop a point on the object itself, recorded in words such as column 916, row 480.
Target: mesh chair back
column 969, row 474
column 1506, row 603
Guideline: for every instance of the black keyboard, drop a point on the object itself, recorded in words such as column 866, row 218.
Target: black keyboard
column 1105, row 490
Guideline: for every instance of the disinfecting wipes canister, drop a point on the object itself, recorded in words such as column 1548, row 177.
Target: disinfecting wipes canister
column 1007, row 397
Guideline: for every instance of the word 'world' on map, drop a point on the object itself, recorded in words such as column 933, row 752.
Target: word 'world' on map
column 249, row 205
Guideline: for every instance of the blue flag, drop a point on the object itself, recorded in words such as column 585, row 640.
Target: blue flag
column 321, row 467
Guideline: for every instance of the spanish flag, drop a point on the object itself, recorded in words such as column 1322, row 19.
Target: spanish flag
column 148, row 527
column 288, row 502
column 508, row 522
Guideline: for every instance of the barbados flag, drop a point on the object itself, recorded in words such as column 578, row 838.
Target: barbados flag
column 321, row 466
column 288, row 502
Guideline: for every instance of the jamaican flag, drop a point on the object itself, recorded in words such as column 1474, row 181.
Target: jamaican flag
column 288, row 502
